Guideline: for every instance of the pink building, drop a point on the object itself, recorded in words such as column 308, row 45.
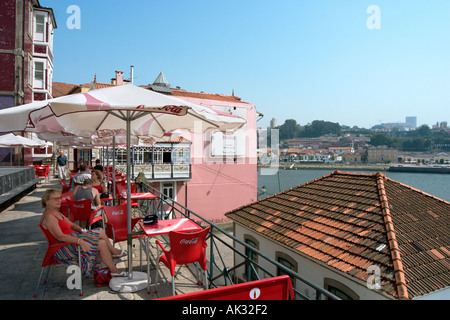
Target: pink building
column 223, row 166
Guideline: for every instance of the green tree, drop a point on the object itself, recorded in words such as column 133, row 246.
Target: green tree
column 423, row 131
column 319, row 128
column 289, row 129
column 381, row 139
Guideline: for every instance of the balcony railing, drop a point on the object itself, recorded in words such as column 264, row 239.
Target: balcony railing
column 222, row 246
column 163, row 161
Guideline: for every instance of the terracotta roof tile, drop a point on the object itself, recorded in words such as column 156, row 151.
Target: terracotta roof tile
column 203, row 95
column 61, row 89
column 351, row 221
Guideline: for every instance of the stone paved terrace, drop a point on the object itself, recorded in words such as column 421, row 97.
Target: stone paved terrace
column 23, row 246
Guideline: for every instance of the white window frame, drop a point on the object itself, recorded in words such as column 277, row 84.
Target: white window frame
column 39, row 84
column 36, row 34
column 30, row 70
column 31, row 21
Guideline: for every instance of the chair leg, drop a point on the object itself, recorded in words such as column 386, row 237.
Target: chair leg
column 206, row 279
column 81, row 275
column 196, row 269
column 140, row 252
column 173, row 285
column 38, row 283
column 157, row 272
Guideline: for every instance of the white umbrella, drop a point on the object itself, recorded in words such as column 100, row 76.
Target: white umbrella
column 126, row 109
column 11, row 141
column 104, row 112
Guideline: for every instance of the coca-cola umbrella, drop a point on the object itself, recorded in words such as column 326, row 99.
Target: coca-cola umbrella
column 125, row 109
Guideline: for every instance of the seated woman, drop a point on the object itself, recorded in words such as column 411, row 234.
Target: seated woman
column 86, row 191
column 98, row 182
column 93, row 243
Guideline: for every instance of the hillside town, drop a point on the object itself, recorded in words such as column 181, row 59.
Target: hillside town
column 360, row 148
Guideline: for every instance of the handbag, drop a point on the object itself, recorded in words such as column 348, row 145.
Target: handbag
column 102, row 277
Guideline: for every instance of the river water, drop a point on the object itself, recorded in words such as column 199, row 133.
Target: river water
column 432, row 183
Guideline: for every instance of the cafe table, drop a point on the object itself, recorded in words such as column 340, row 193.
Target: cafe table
column 163, row 227
column 134, row 196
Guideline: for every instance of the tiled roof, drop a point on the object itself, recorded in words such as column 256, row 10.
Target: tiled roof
column 100, row 85
column 351, row 221
column 61, row 89
column 203, row 95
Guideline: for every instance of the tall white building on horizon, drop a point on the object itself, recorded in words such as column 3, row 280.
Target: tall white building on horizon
column 273, row 123
column 411, row 122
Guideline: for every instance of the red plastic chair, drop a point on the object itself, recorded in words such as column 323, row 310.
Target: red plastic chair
column 42, row 171
column 122, row 189
column 116, row 223
column 65, row 187
column 81, row 211
column 71, row 177
column 184, row 248
column 67, row 195
column 49, row 261
column 64, row 209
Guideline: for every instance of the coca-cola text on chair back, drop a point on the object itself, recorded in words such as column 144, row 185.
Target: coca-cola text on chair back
column 189, row 247
column 80, row 210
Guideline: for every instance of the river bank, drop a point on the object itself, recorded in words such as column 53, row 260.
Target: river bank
column 334, row 166
column 275, row 181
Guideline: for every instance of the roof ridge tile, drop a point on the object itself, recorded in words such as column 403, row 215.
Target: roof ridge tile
column 392, row 241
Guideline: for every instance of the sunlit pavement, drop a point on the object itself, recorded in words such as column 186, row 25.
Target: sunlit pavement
column 23, row 246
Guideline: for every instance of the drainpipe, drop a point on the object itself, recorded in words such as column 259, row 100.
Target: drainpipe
column 23, row 50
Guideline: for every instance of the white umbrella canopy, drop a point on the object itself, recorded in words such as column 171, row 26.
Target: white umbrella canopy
column 11, row 141
column 104, row 112
column 65, row 139
column 125, row 109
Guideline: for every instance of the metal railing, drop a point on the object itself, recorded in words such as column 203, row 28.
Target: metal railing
column 222, row 271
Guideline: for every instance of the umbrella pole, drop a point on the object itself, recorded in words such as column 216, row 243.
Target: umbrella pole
column 114, row 170
column 135, row 281
column 130, row 245
column 107, row 169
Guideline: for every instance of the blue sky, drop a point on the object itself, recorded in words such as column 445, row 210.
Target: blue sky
column 294, row 59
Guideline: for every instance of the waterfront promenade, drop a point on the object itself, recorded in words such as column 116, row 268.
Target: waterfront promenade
column 325, row 166
column 23, row 246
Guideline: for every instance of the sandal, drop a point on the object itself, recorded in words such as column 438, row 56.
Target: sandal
column 120, row 255
column 121, row 274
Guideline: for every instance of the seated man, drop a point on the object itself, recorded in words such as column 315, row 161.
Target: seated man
column 86, row 191
column 98, row 166
column 84, row 174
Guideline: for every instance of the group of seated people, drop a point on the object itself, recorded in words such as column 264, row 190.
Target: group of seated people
column 89, row 184
column 95, row 245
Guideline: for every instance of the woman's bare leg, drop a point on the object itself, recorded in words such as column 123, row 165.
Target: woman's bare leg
column 111, row 248
column 105, row 256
